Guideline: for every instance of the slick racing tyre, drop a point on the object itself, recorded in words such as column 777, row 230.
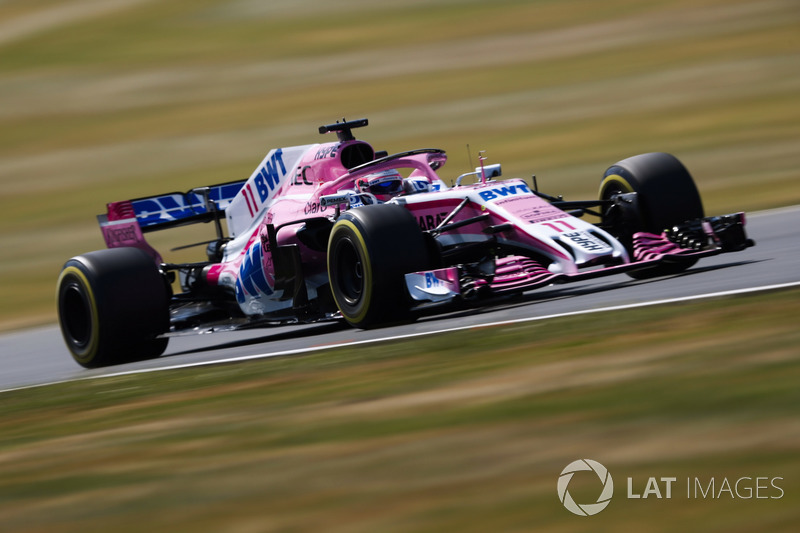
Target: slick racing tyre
column 666, row 196
column 370, row 250
column 667, row 193
column 112, row 305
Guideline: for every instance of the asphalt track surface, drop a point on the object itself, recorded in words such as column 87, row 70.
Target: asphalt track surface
column 38, row 356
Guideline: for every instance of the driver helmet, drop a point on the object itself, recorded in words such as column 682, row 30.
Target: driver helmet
column 383, row 185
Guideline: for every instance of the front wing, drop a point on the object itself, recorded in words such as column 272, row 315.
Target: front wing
column 685, row 243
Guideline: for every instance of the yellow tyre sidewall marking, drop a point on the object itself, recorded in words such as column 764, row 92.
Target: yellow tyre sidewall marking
column 619, row 180
column 91, row 348
column 367, row 265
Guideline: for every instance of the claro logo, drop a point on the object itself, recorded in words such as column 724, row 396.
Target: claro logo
column 585, row 509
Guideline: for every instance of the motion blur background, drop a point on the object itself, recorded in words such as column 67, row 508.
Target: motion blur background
column 103, row 100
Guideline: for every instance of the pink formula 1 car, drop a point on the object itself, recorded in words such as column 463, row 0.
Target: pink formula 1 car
column 336, row 230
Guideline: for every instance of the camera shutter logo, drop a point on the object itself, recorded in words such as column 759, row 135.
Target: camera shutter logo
column 586, row 509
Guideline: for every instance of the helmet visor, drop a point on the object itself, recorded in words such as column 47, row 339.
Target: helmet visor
column 386, row 187
column 383, row 183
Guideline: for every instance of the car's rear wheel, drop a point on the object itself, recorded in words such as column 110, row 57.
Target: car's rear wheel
column 112, row 305
column 666, row 196
column 370, row 250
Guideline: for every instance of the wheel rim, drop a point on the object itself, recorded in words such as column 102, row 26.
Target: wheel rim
column 611, row 191
column 608, row 193
column 76, row 314
column 349, row 272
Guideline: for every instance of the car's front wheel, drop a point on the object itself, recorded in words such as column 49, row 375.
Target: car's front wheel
column 370, row 250
column 666, row 196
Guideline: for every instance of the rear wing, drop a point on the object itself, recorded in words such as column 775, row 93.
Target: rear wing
column 125, row 222
column 176, row 208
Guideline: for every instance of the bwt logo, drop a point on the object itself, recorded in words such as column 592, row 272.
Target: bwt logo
column 431, row 280
column 585, row 509
column 269, row 175
column 504, row 191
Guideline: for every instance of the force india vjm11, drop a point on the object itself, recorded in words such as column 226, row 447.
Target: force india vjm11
column 336, row 230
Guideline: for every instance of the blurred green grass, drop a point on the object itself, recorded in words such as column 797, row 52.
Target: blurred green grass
column 101, row 101
column 464, row 431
